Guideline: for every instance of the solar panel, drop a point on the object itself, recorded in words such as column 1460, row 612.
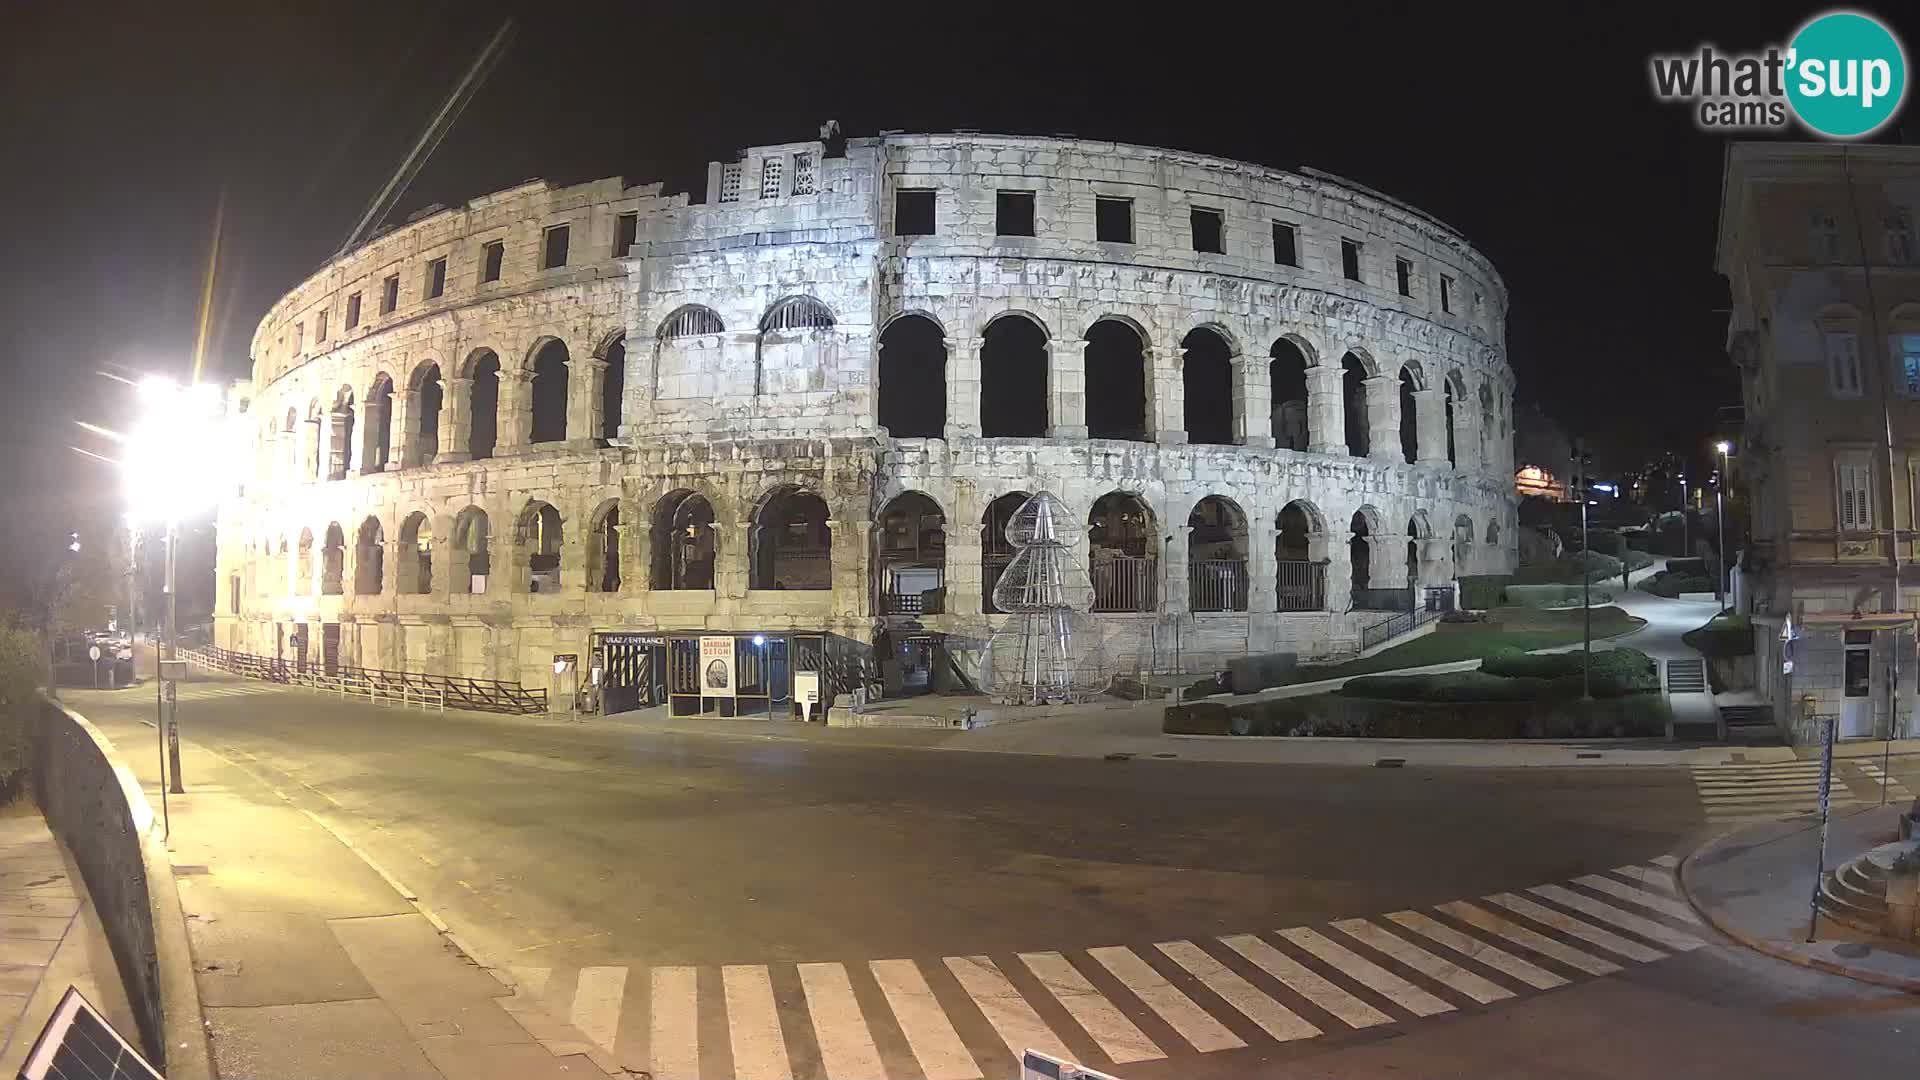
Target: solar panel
column 79, row 1044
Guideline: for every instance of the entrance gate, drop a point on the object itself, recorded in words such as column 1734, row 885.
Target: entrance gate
column 633, row 671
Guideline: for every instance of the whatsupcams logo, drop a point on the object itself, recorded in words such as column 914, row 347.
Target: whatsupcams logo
column 1843, row 76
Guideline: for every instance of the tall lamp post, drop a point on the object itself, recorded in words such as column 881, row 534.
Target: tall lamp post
column 1720, row 520
column 1686, row 543
column 1582, row 461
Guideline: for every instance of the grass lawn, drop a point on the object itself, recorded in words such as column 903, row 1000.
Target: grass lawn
column 1507, row 628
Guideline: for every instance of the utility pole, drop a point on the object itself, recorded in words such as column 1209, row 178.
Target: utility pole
column 172, row 653
column 1582, row 462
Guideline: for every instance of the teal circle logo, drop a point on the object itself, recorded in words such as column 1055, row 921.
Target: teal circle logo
column 1847, row 75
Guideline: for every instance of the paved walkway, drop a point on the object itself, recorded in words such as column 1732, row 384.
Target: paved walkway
column 50, row 938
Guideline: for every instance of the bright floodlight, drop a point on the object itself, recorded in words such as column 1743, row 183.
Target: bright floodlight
column 1723, row 447
column 176, row 458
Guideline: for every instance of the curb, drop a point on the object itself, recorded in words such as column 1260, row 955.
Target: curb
column 1774, row 949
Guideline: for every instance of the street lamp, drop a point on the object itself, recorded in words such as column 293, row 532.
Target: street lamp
column 1686, row 544
column 1583, row 462
column 1720, row 520
column 174, row 466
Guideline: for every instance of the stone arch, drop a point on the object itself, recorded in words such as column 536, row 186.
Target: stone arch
column 303, row 564
column 1287, row 363
column 1488, row 424
column 1117, row 396
column 690, row 320
column 996, row 551
column 548, row 361
column 910, row 535
column 472, row 542
column 1463, row 536
column 1217, row 555
column 369, row 558
column 613, row 386
column 539, row 540
column 791, row 335
column 482, row 366
column 1456, row 418
column 340, row 446
column 791, row 546
column 795, row 313
column 317, row 446
column 603, row 547
column 1300, row 557
column 379, row 425
column 1209, row 394
column 911, row 399
column 684, row 544
column 413, row 561
column 333, row 560
column 915, row 313
column 429, row 394
column 1123, row 549
column 1364, row 530
column 1409, row 415
column 1014, row 366
column 1354, row 373
column 1493, row 533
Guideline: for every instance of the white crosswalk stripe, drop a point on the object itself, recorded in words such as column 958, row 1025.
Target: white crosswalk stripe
column 191, row 692
column 1764, row 792
column 1895, row 790
column 1209, row 997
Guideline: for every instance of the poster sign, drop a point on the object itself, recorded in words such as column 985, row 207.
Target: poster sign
column 716, row 666
column 806, row 693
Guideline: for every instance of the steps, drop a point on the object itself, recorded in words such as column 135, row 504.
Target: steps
column 1855, row 895
column 1751, row 725
column 1686, row 676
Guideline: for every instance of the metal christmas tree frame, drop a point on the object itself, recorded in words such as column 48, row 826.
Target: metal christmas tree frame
column 1049, row 650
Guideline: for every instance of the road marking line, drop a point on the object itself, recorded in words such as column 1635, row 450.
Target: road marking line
column 1653, row 931
column 1665, row 905
column 929, row 1033
column 753, row 1024
column 1274, row 1018
column 1367, row 973
column 1433, row 967
column 846, row 1046
column 1658, row 878
column 674, row 1030
column 1567, row 924
column 1474, row 949
column 1116, row 1035
column 596, row 1004
column 1019, row 1026
column 1668, row 861
column 1193, row 1023
column 1306, row 982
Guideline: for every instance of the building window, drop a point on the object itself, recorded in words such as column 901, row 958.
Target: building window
column 1906, row 349
column 1209, row 229
column 1403, row 276
column 437, row 278
column 626, row 230
column 1825, row 233
column 1853, row 482
column 1843, row 363
column 390, row 294
column 299, row 337
column 233, row 594
column 320, row 326
column 770, row 174
column 353, row 310
column 492, row 254
column 913, row 212
column 1113, row 220
column 803, row 174
column 1350, row 259
column 553, row 248
column 1013, row 213
column 1900, row 246
column 1446, row 293
column 1286, row 250
column 730, row 183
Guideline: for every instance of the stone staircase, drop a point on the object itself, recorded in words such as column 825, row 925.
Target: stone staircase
column 1855, row 895
column 1686, row 676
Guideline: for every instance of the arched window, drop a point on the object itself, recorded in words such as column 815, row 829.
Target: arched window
column 1013, row 379
column 483, row 434
column 414, row 562
column 1207, row 380
column 1287, row 381
column 373, row 457
column 1353, row 392
column 303, row 564
column 1360, row 552
column 683, row 542
column 1409, row 418
column 690, row 321
column 369, row 559
column 1116, row 374
column 342, row 442
column 1300, row 557
column 913, row 378
column 797, row 313
column 792, row 543
column 1462, row 544
column 472, row 559
column 613, row 388
column 1488, row 424
column 1123, row 554
column 912, row 561
column 996, row 551
column 321, row 424
column 603, row 550
column 428, row 394
column 333, row 561
column 1453, row 421
column 795, row 343
column 538, row 538
column 1417, row 532
column 1217, row 556
column 550, row 393
column 1493, row 533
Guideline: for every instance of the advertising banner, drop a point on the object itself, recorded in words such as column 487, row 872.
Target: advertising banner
column 716, row 666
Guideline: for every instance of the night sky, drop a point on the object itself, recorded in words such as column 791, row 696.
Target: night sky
column 1541, row 142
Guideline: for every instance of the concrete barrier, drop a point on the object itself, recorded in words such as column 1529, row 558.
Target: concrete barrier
column 93, row 803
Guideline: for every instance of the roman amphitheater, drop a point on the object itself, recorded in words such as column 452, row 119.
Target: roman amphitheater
column 567, row 436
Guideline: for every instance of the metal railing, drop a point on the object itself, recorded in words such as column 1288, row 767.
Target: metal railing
column 1301, row 585
column 1217, row 585
column 1125, row 583
column 378, row 685
column 1405, row 622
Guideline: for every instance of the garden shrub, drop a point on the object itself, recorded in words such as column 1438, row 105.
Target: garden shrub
column 22, row 667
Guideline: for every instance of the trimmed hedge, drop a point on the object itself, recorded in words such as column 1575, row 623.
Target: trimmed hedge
column 1723, row 635
column 1341, row 716
column 1511, row 675
column 1479, row 592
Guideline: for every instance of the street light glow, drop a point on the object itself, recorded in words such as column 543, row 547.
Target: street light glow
column 176, row 458
column 1723, row 446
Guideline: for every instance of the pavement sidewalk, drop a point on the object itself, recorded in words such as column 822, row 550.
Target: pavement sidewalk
column 311, row 961
column 50, row 938
column 1755, row 885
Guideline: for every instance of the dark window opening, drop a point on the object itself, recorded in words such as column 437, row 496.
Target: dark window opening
column 491, row 256
column 437, row 278
column 1409, row 420
column 913, row 213
column 1207, row 379
column 626, row 230
column 1403, row 276
column 553, row 249
column 1116, row 382
column 390, row 295
column 1286, row 251
column 1359, row 553
column 791, row 546
column 1350, row 259
column 603, row 569
column 1013, row 380
column 613, row 388
column 1446, row 293
column 379, row 421
column 996, row 551
column 683, row 549
column 353, row 310
column 430, row 394
column 1209, row 231
column 484, row 434
column 913, row 379
column 1013, row 213
column 320, row 327
column 1353, row 386
column 1287, row 383
column 1113, row 220
column 1453, row 457
column 549, row 393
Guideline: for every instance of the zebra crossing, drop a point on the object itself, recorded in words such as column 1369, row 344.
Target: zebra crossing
column 213, row 691
column 970, row 1017
column 1735, row 794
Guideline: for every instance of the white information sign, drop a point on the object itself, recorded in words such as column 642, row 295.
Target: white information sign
column 806, row 692
column 716, row 666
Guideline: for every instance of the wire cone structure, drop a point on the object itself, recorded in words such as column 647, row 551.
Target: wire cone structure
column 1049, row 651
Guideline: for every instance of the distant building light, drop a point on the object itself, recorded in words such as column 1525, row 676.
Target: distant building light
column 1608, row 488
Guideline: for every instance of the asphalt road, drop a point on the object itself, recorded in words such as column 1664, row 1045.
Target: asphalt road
column 563, row 847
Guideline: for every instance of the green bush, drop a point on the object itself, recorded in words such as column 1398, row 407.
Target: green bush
column 1450, row 686
column 1480, row 592
column 1548, row 596
column 1724, row 635
column 1669, row 584
column 1352, row 716
column 22, row 668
